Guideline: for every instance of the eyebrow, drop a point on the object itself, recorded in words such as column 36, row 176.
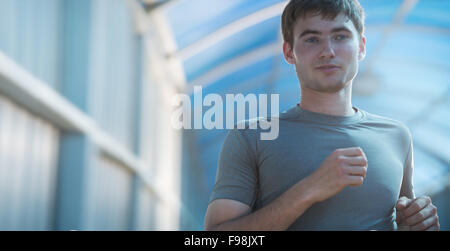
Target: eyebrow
column 335, row 30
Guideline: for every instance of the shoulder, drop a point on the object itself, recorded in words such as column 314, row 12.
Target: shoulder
column 255, row 125
column 252, row 131
column 374, row 118
column 243, row 134
column 391, row 125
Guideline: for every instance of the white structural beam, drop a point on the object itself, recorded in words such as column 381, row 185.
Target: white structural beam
column 39, row 98
column 154, row 28
column 163, row 78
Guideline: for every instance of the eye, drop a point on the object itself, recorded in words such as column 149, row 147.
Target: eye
column 312, row 40
column 341, row 37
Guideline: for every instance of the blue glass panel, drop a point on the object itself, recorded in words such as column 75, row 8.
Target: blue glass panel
column 433, row 13
column 428, row 172
column 233, row 82
column 235, row 46
column 425, row 47
column 193, row 19
column 380, row 11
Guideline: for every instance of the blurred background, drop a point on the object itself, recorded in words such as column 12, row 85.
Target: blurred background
column 85, row 102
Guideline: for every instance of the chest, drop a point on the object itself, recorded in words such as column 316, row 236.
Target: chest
column 289, row 159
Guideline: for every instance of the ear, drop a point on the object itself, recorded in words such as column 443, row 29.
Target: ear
column 362, row 48
column 288, row 54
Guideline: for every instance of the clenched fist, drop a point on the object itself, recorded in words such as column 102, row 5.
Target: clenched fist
column 416, row 214
column 344, row 167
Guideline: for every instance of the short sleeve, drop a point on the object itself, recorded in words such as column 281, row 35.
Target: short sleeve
column 236, row 177
column 407, row 188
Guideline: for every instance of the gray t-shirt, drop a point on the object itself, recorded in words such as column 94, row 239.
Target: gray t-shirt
column 256, row 172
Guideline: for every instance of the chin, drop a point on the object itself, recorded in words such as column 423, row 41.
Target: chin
column 335, row 88
column 330, row 87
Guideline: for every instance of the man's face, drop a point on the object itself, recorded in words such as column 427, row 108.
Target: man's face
column 325, row 52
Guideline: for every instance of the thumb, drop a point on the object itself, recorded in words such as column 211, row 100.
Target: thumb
column 402, row 203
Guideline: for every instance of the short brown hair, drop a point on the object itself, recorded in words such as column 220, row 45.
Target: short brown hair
column 329, row 9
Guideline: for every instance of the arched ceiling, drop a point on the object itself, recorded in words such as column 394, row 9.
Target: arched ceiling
column 234, row 46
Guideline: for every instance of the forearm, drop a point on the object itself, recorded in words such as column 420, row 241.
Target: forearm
column 278, row 215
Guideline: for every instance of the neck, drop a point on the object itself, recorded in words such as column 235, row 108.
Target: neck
column 337, row 104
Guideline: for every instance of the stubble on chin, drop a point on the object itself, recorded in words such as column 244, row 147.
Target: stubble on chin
column 330, row 86
column 326, row 87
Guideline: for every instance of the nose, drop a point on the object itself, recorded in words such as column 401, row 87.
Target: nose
column 327, row 50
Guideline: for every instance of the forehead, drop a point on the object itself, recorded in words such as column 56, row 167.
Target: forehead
column 317, row 22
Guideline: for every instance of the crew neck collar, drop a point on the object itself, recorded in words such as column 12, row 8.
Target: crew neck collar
column 322, row 118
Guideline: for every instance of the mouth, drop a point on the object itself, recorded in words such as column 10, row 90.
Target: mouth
column 328, row 69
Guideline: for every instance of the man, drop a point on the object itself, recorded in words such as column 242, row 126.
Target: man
column 333, row 166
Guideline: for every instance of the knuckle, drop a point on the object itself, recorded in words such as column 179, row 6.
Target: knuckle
column 435, row 220
column 359, row 150
column 364, row 171
column 421, row 215
column 433, row 209
column 365, row 161
column 337, row 152
column 408, row 211
column 341, row 172
column 361, row 180
column 340, row 159
column 415, row 207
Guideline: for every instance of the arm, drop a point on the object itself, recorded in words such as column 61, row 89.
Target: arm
column 344, row 167
column 278, row 215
